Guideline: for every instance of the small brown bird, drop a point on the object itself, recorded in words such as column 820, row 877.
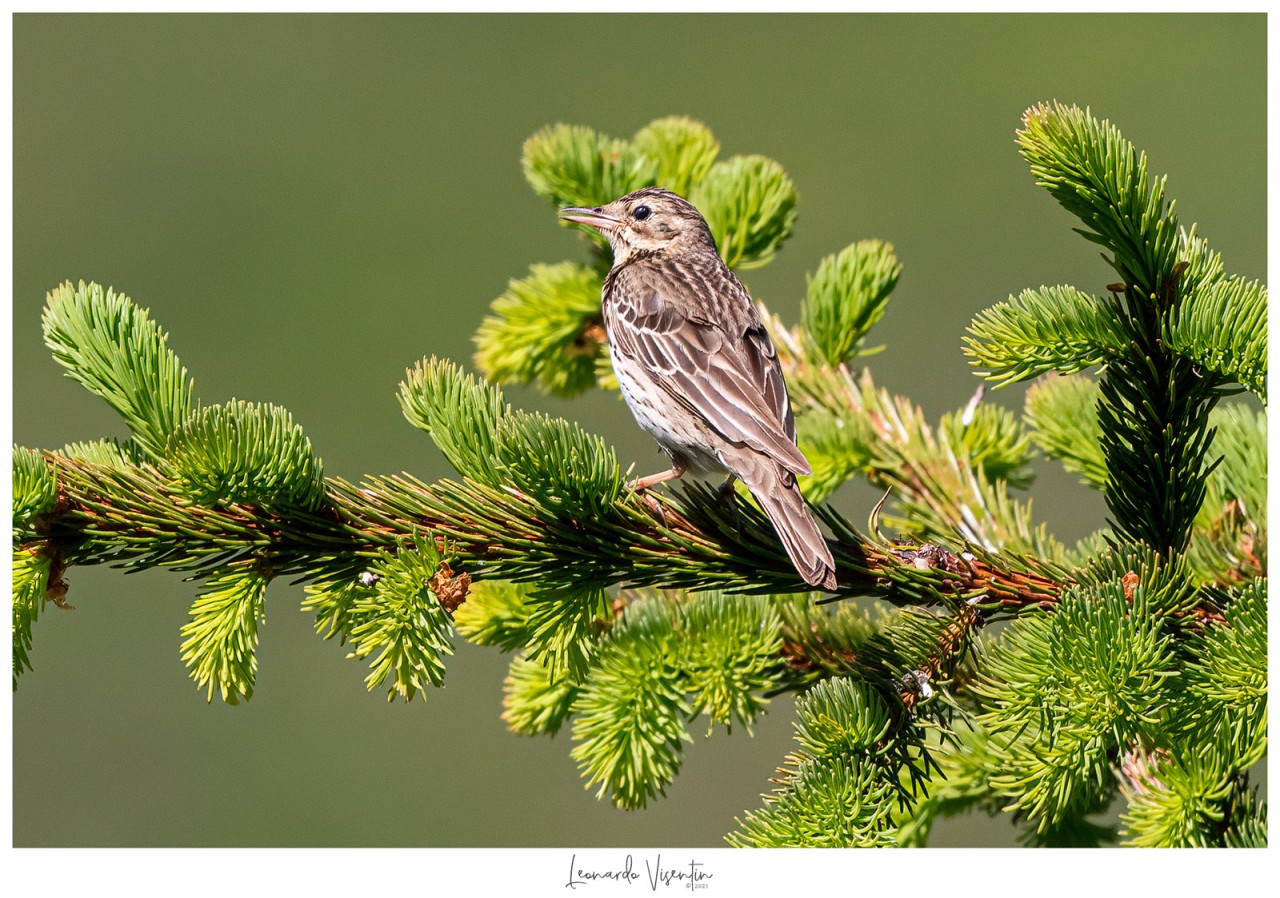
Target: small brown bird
column 696, row 366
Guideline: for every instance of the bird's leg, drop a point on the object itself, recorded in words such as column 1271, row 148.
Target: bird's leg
column 729, row 499
column 641, row 484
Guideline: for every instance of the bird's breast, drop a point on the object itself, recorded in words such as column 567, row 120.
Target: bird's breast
column 683, row 435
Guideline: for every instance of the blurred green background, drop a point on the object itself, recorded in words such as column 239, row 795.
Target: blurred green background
column 310, row 204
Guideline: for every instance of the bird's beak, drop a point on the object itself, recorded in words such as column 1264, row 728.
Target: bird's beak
column 595, row 218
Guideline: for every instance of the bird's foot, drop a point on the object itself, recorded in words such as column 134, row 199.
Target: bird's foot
column 659, row 511
column 641, row 484
column 728, row 498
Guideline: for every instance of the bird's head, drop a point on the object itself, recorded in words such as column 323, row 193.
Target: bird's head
column 647, row 221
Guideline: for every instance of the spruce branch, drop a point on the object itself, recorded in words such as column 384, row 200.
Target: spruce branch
column 535, row 702
column 1135, row 662
column 31, row 580
column 749, row 203
column 683, row 148
column 496, row 613
column 1228, row 543
column 85, row 327
column 962, row 781
column 1225, row 682
column 629, row 727
column 711, row 654
column 546, row 330
column 244, row 452
column 951, row 482
column 1166, row 582
column 1063, row 692
column 1062, row 417
column 1189, row 789
column 132, row 518
column 1155, row 398
column 563, row 628
column 109, row 453
column 1099, row 177
column 1180, row 803
column 1050, row 329
column 221, row 640
column 1223, row 327
column 403, row 619
column 35, row 491
column 847, row 296
column 838, row 788
column 729, row 647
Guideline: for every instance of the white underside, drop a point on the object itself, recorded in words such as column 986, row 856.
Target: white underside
column 682, row 444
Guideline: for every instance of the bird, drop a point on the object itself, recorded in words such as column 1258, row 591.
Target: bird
column 696, row 366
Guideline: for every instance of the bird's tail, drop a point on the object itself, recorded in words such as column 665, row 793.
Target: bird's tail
column 776, row 491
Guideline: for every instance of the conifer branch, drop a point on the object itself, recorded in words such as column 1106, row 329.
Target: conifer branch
column 630, row 616
column 541, row 330
column 1050, row 329
column 846, row 297
column 1155, row 400
column 1224, row 328
column 951, row 482
column 1062, row 414
column 85, row 328
column 131, row 517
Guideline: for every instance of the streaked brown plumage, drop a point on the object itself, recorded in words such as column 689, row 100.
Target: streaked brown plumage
column 696, row 365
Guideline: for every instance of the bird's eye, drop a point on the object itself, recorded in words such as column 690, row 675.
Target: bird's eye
column 640, row 213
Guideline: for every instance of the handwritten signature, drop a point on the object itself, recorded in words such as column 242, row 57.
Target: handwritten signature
column 692, row 876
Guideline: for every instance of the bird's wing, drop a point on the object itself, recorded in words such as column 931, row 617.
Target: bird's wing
column 729, row 376
column 765, row 370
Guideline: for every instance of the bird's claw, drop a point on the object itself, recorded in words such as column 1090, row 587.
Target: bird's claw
column 728, row 498
column 652, row 503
